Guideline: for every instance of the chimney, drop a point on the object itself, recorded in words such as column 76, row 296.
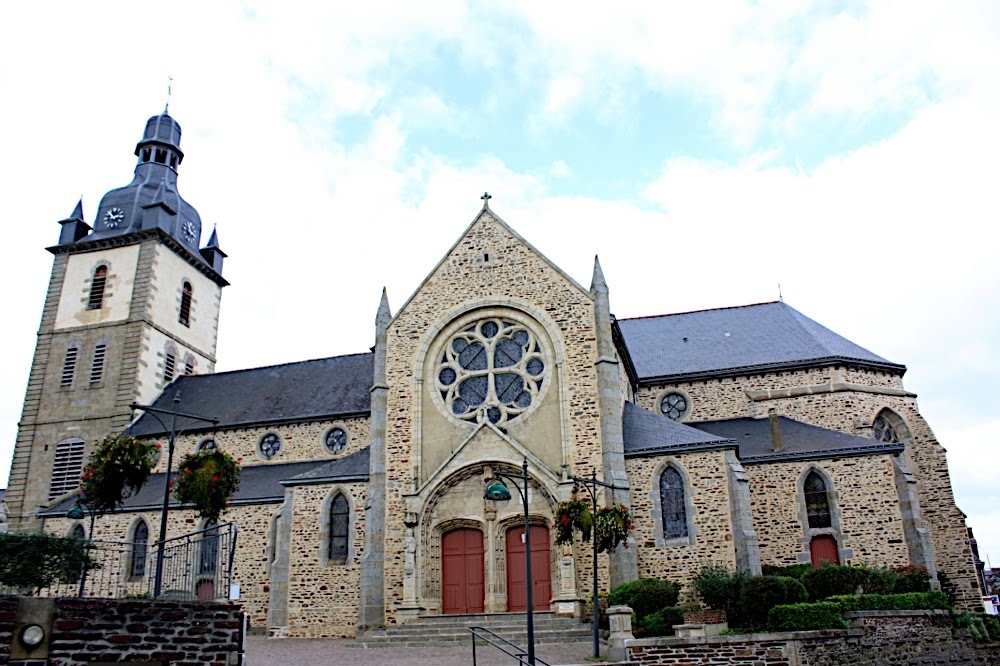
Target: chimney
column 772, row 416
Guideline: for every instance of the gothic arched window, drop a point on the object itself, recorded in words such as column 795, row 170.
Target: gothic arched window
column 883, row 430
column 140, row 539
column 185, row 313
column 97, row 284
column 208, row 555
column 672, row 504
column 340, row 521
column 78, row 532
column 817, row 501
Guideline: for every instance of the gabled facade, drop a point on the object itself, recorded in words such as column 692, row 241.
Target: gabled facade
column 742, row 436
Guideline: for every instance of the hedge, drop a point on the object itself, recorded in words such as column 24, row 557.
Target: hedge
column 838, row 580
column 661, row 623
column 645, row 596
column 906, row 601
column 806, row 617
column 762, row 593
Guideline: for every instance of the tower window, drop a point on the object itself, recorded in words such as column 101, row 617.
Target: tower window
column 817, row 501
column 340, row 520
column 672, row 504
column 145, row 154
column 189, row 365
column 140, row 539
column 169, row 361
column 69, row 366
column 97, row 284
column 161, row 156
column 66, row 467
column 97, row 365
column 185, row 314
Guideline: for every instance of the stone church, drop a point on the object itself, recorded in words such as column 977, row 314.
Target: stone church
column 743, row 436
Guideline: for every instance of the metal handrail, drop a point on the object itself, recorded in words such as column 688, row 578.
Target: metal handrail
column 520, row 655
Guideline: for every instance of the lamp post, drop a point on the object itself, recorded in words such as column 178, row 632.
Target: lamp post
column 497, row 491
column 174, row 413
column 591, row 485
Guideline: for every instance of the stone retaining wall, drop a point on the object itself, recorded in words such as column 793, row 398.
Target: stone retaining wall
column 915, row 638
column 107, row 630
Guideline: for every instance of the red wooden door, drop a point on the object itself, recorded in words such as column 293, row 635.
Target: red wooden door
column 462, row 579
column 541, row 572
column 823, row 550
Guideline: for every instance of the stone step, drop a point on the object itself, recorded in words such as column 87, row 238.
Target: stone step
column 433, row 630
column 466, row 638
column 419, row 627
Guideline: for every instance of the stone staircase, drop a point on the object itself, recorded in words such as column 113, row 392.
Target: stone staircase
column 453, row 629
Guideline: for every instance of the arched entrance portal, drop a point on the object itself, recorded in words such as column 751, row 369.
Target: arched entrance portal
column 540, row 569
column 462, row 576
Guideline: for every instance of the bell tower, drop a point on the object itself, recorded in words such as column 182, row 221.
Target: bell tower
column 133, row 302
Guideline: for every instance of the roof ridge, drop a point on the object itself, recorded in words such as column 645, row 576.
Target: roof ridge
column 675, row 314
column 280, row 365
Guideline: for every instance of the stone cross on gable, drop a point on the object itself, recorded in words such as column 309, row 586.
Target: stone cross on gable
column 486, row 198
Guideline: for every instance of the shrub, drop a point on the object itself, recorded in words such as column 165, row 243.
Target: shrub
column 762, row 593
column 906, row 601
column 912, row 579
column 834, row 580
column 645, row 596
column 805, row 617
column 992, row 624
column 661, row 623
column 721, row 589
column 974, row 623
column 34, row 561
column 796, row 571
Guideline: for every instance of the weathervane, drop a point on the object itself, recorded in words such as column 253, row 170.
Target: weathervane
column 170, row 90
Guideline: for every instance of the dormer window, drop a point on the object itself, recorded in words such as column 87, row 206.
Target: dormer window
column 97, row 285
column 161, row 156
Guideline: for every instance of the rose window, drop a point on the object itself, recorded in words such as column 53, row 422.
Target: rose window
column 491, row 371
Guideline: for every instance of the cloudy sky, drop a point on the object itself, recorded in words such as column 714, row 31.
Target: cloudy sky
column 706, row 151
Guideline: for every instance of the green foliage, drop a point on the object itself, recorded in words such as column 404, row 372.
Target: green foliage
column 974, row 623
column 992, row 624
column 806, row 617
column 207, row 479
column 795, row 571
column 912, row 579
column 119, row 467
column 34, row 561
column 612, row 525
column 762, row 593
column 661, row 623
column 833, row 580
column 573, row 515
column 906, row 601
column 645, row 596
column 721, row 589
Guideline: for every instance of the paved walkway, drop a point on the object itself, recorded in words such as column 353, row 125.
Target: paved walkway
column 320, row 651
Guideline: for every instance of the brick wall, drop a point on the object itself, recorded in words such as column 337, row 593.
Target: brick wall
column 178, row 633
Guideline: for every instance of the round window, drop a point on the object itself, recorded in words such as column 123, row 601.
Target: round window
column 336, row 440
column 207, row 445
column 270, row 446
column 674, row 406
column 491, row 371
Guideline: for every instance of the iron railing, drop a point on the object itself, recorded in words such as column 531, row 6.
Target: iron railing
column 502, row 644
column 198, row 565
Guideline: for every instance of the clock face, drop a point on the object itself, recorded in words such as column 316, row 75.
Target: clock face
column 189, row 230
column 113, row 218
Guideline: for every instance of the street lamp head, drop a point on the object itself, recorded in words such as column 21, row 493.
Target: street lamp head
column 497, row 491
column 76, row 513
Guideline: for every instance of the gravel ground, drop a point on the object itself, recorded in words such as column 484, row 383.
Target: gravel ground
column 319, row 651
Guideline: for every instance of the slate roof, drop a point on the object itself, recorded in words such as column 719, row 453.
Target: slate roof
column 762, row 337
column 307, row 390
column 646, row 433
column 800, row 441
column 258, row 483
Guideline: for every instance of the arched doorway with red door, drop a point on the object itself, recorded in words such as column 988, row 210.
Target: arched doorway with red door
column 463, row 579
column 541, row 569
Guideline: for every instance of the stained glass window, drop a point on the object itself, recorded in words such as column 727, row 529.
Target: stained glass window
column 339, row 523
column 883, row 430
column 336, row 440
column 674, row 406
column 140, row 537
column 270, row 446
column 672, row 504
column 491, row 371
column 817, row 501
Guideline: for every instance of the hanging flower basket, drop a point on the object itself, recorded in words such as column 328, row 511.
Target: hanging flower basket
column 207, row 479
column 573, row 515
column 612, row 526
column 119, row 467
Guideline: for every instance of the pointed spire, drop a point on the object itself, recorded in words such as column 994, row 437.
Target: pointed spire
column 213, row 240
column 77, row 213
column 598, row 281
column 384, row 314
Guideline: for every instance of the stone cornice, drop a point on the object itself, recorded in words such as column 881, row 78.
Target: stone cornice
column 767, row 368
column 758, row 395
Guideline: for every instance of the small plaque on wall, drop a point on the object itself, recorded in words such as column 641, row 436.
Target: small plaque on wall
column 566, row 608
